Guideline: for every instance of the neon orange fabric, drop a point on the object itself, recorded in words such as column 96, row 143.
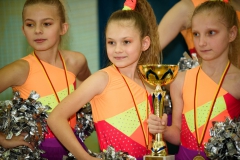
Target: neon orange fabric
column 197, row 2
column 115, row 116
column 37, row 81
column 225, row 106
column 187, row 35
column 238, row 14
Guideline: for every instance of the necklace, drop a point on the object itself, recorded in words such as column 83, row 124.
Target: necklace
column 49, row 80
column 135, row 105
column 199, row 141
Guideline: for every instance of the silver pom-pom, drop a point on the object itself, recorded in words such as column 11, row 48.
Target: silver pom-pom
column 109, row 154
column 85, row 124
column 23, row 116
column 225, row 140
column 187, row 62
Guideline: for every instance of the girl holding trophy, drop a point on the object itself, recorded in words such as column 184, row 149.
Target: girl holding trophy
column 118, row 96
column 209, row 92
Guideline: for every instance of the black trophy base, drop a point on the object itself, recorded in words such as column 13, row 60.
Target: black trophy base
column 150, row 157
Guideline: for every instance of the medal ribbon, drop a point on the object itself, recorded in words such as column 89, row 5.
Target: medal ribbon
column 139, row 117
column 199, row 141
column 49, row 80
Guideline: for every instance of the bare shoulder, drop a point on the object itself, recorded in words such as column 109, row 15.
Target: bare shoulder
column 101, row 76
column 97, row 82
column 73, row 58
column 177, row 83
column 233, row 82
column 179, row 80
column 17, row 67
column 14, row 74
column 234, row 74
column 76, row 63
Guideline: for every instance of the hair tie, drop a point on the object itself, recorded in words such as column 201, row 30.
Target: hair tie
column 226, row 1
column 129, row 5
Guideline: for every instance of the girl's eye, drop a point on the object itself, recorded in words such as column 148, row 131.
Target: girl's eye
column 126, row 42
column 46, row 24
column 110, row 42
column 212, row 32
column 195, row 34
column 29, row 25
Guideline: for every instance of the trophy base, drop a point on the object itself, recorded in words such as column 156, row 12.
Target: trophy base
column 150, row 157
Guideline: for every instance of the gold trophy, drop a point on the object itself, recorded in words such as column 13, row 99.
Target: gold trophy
column 158, row 75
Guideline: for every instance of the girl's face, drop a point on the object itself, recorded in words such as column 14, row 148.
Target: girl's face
column 210, row 35
column 124, row 44
column 42, row 26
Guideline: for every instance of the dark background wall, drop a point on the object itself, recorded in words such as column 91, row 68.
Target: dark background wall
column 171, row 54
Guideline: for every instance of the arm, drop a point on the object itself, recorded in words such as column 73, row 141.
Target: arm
column 174, row 21
column 177, row 102
column 58, row 119
column 13, row 74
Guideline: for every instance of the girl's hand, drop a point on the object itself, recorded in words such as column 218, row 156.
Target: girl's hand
column 15, row 141
column 156, row 124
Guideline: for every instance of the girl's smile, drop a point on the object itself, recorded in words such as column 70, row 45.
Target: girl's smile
column 120, row 57
column 40, row 40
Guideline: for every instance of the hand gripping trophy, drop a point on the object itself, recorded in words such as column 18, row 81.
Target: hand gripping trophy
column 158, row 75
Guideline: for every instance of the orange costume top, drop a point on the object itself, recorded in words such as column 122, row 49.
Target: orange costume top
column 225, row 106
column 115, row 116
column 38, row 81
column 187, row 34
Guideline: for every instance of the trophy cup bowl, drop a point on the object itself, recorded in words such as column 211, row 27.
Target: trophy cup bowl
column 158, row 75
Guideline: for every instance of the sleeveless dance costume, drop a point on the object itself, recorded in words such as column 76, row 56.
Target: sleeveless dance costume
column 115, row 116
column 38, row 81
column 225, row 106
